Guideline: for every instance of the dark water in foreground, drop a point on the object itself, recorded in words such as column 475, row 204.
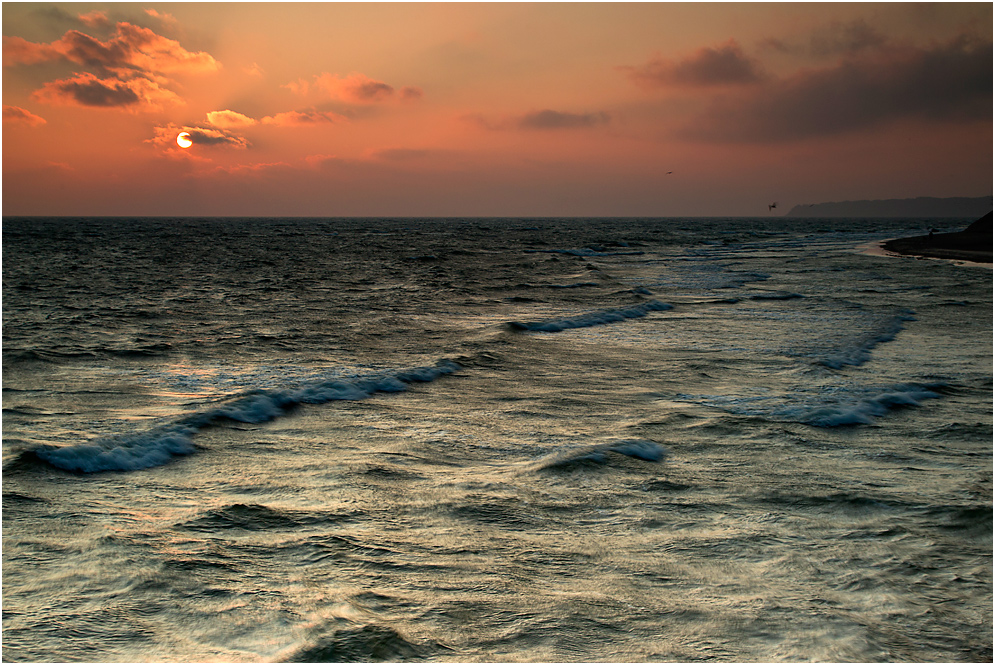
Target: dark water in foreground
column 493, row 440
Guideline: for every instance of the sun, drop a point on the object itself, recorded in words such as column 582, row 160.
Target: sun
column 183, row 140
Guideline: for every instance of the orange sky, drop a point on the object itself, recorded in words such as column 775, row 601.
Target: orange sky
column 451, row 109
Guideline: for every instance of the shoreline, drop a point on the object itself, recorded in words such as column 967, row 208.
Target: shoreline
column 949, row 246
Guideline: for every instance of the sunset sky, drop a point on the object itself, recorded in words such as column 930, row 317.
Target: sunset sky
column 451, row 109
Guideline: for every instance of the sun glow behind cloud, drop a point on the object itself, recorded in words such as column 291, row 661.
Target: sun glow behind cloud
column 494, row 109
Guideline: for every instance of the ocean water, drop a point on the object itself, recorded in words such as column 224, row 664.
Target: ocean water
column 493, row 440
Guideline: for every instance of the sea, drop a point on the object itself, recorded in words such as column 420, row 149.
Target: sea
column 493, row 440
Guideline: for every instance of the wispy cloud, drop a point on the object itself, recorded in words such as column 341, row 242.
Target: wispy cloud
column 302, row 118
column 708, row 66
column 17, row 115
column 356, row 88
column 231, row 119
column 546, row 119
column 256, row 170
column 165, row 19
column 833, row 39
column 227, row 119
column 95, row 19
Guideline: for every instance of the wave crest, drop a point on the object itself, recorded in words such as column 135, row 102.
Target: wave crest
column 644, row 449
column 158, row 446
column 592, row 319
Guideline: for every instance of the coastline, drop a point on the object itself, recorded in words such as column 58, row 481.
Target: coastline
column 974, row 244
column 926, row 247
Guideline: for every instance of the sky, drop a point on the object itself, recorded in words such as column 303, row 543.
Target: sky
column 490, row 109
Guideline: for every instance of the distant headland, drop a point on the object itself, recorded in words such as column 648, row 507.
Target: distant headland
column 923, row 206
column 972, row 244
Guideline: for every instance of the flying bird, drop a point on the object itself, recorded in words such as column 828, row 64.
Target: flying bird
column 772, row 206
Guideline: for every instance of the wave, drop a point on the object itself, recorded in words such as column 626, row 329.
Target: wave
column 586, row 251
column 592, row 319
column 865, row 411
column 809, row 409
column 158, row 446
column 256, row 517
column 776, row 295
column 702, row 273
column 578, row 285
column 362, row 644
column 57, row 354
column 644, row 449
column 860, row 352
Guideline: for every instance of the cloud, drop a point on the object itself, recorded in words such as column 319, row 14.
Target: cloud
column 87, row 90
column 130, row 49
column 355, row 88
column 411, row 93
column 548, row 119
column 725, row 65
column 231, row 119
column 165, row 19
column 318, row 161
column 19, row 51
column 951, row 82
column 301, row 118
column 129, row 67
column 17, row 115
column 205, row 136
column 227, row 119
column 257, row 170
column 165, row 137
column 833, row 39
column 95, row 19
column 402, row 154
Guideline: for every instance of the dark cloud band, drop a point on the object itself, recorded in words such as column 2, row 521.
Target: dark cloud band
column 950, row 82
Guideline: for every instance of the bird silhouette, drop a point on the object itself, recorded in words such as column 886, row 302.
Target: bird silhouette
column 772, row 206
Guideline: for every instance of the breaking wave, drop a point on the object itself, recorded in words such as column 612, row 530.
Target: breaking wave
column 649, row 451
column 865, row 411
column 159, row 445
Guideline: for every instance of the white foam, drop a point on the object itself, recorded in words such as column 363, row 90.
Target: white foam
column 865, row 411
column 158, row 446
column 140, row 451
